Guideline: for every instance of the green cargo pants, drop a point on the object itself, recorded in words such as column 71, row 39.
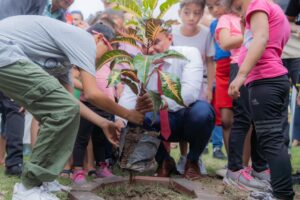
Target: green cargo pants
column 55, row 109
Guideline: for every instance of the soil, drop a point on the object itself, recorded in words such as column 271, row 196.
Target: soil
column 137, row 192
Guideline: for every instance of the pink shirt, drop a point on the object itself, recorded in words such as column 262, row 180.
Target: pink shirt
column 102, row 82
column 270, row 64
column 233, row 23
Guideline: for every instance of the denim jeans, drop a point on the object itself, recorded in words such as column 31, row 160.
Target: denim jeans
column 193, row 124
column 13, row 128
column 217, row 137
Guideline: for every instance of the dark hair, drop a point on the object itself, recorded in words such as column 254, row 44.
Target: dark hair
column 201, row 3
column 78, row 12
column 101, row 28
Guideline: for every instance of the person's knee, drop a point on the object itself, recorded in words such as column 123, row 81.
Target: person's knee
column 202, row 113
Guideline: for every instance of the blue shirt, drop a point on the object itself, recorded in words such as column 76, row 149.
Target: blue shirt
column 219, row 53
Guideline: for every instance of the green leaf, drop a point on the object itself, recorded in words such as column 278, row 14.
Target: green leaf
column 114, row 78
column 112, row 55
column 142, row 64
column 131, row 85
column 126, row 40
column 153, row 28
column 130, row 6
column 130, row 74
column 157, row 102
column 120, row 61
column 164, row 7
column 171, row 87
column 131, row 33
column 150, row 4
column 168, row 54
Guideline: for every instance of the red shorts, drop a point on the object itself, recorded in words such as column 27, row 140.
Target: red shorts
column 217, row 110
column 223, row 100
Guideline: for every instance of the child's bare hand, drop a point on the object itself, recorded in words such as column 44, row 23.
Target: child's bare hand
column 111, row 130
column 236, row 84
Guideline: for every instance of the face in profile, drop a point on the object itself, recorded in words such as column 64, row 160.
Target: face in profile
column 162, row 43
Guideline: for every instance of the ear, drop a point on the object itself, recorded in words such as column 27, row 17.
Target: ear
column 170, row 37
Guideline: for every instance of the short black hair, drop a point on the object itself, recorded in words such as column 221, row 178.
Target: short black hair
column 101, row 28
column 78, row 12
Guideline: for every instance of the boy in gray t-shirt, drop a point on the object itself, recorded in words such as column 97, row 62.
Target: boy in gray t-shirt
column 31, row 48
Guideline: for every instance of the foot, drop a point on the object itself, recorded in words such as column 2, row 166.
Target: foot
column 218, row 154
column 55, row 186
column 36, row 193
column 243, row 180
column 264, row 176
column 192, row 171
column 66, row 173
column 166, row 168
column 103, row 170
column 181, row 164
column 261, row 196
column 202, row 168
column 15, row 170
column 79, row 177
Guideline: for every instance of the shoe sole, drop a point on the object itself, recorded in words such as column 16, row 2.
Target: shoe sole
column 240, row 186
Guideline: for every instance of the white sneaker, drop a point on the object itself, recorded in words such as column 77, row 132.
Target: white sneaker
column 36, row 193
column 202, row 167
column 181, row 164
column 55, row 186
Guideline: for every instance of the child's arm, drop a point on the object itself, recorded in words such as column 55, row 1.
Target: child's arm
column 260, row 29
column 210, row 77
column 227, row 41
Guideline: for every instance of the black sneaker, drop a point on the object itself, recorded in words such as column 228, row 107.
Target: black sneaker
column 218, row 154
column 15, row 170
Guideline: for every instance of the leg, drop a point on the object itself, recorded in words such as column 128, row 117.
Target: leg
column 247, row 148
column 227, row 120
column 183, row 148
column 34, row 130
column 39, row 93
column 199, row 122
column 2, row 149
column 267, row 99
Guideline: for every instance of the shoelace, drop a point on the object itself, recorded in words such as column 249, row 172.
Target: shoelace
column 245, row 174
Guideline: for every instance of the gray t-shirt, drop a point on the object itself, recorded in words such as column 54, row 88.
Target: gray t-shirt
column 53, row 45
column 21, row 7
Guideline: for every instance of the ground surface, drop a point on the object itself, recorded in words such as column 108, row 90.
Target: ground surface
column 211, row 182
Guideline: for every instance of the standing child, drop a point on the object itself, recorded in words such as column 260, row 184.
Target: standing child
column 190, row 33
column 229, row 36
column 261, row 70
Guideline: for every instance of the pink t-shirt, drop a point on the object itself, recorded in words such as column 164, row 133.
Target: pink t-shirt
column 233, row 23
column 102, row 82
column 270, row 64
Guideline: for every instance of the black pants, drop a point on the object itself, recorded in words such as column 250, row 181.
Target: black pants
column 268, row 105
column 242, row 121
column 13, row 128
column 86, row 130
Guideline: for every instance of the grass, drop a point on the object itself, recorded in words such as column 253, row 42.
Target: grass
column 7, row 183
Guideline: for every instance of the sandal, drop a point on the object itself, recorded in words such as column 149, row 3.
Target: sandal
column 66, row 173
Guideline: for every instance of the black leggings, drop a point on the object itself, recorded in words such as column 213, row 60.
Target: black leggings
column 87, row 130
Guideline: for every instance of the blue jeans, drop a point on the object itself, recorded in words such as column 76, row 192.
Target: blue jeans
column 217, row 137
column 193, row 124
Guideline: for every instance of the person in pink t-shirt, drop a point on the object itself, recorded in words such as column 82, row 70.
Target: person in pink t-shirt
column 261, row 70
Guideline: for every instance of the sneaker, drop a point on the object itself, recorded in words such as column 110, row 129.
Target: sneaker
column 243, row 180
column 79, row 177
column 218, row 154
column 264, row 176
column 55, row 186
column 15, row 170
column 261, row 196
column 202, row 167
column 103, row 170
column 181, row 164
column 36, row 193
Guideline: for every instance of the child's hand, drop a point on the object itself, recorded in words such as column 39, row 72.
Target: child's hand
column 209, row 95
column 120, row 124
column 135, row 117
column 144, row 103
column 236, row 84
column 111, row 131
